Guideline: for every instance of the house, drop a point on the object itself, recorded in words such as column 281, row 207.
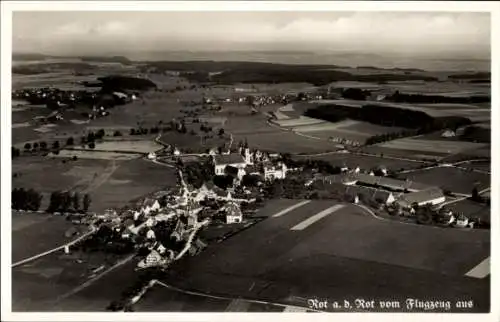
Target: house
column 433, row 196
column 233, row 213
column 233, row 159
column 367, row 193
column 272, row 172
column 150, row 205
column 152, row 156
column 448, row 134
column 150, row 234
column 384, row 182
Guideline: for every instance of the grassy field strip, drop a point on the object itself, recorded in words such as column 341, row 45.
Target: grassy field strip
column 91, row 281
column 287, row 210
column 290, row 309
column 53, row 250
column 228, row 298
column 238, row 306
column 102, row 178
column 311, row 220
column 481, row 270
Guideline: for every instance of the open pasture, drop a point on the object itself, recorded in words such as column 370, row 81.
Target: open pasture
column 47, row 175
column 255, row 124
column 189, row 142
column 285, row 142
column 301, row 121
column 451, row 179
column 96, row 155
column 434, row 146
column 35, row 233
column 132, row 179
column 299, row 256
column 363, row 161
column 127, row 146
column 52, row 282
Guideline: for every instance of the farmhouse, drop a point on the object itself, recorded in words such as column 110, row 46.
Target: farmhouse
column 384, row 182
column 433, row 196
column 272, row 171
column 235, row 160
column 360, row 192
column 233, row 214
column 150, row 205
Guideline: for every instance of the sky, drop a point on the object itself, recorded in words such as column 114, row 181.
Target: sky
column 373, row 32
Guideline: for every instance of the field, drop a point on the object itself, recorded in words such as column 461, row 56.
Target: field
column 366, row 257
column 452, row 179
column 34, row 233
column 109, row 183
column 433, row 147
column 54, row 282
column 134, row 146
column 188, row 141
column 96, row 155
column 364, row 161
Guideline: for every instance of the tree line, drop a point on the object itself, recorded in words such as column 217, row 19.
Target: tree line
column 65, row 201
column 23, row 199
column 389, row 116
column 420, row 98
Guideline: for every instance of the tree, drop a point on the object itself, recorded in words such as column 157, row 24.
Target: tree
column 76, row 201
column 92, row 145
column 27, row 147
column 55, row 202
column 91, row 137
column 475, row 195
column 86, row 202
column 15, row 152
column 43, row 146
column 35, row 145
column 100, row 134
column 55, row 145
column 118, row 133
column 66, row 201
column 70, row 141
column 132, row 132
column 221, row 132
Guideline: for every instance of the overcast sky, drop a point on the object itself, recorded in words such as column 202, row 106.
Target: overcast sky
column 378, row 32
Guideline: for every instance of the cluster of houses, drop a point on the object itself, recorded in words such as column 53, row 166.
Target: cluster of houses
column 405, row 193
column 183, row 213
column 246, row 161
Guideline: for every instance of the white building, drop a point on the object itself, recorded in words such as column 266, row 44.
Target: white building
column 432, row 196
column 272, row 172
column 235, row 160
column 233, row 214
column 152, row 156
column 150, row 205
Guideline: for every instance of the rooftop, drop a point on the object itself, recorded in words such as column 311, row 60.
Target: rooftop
column 422, row 196
column 232, row 158
column 380, row 181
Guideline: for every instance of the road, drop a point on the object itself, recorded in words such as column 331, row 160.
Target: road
column 26, row 260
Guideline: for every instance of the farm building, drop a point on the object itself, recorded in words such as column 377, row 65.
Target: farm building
column 433, row 196
column 233, row 214
column 150, row 205
column 448, row 134
column 381, row 196
column 233, row 159
column 272, row 172
column 384, row 182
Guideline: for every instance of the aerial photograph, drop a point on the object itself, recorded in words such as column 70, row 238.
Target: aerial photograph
column 250, row 161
